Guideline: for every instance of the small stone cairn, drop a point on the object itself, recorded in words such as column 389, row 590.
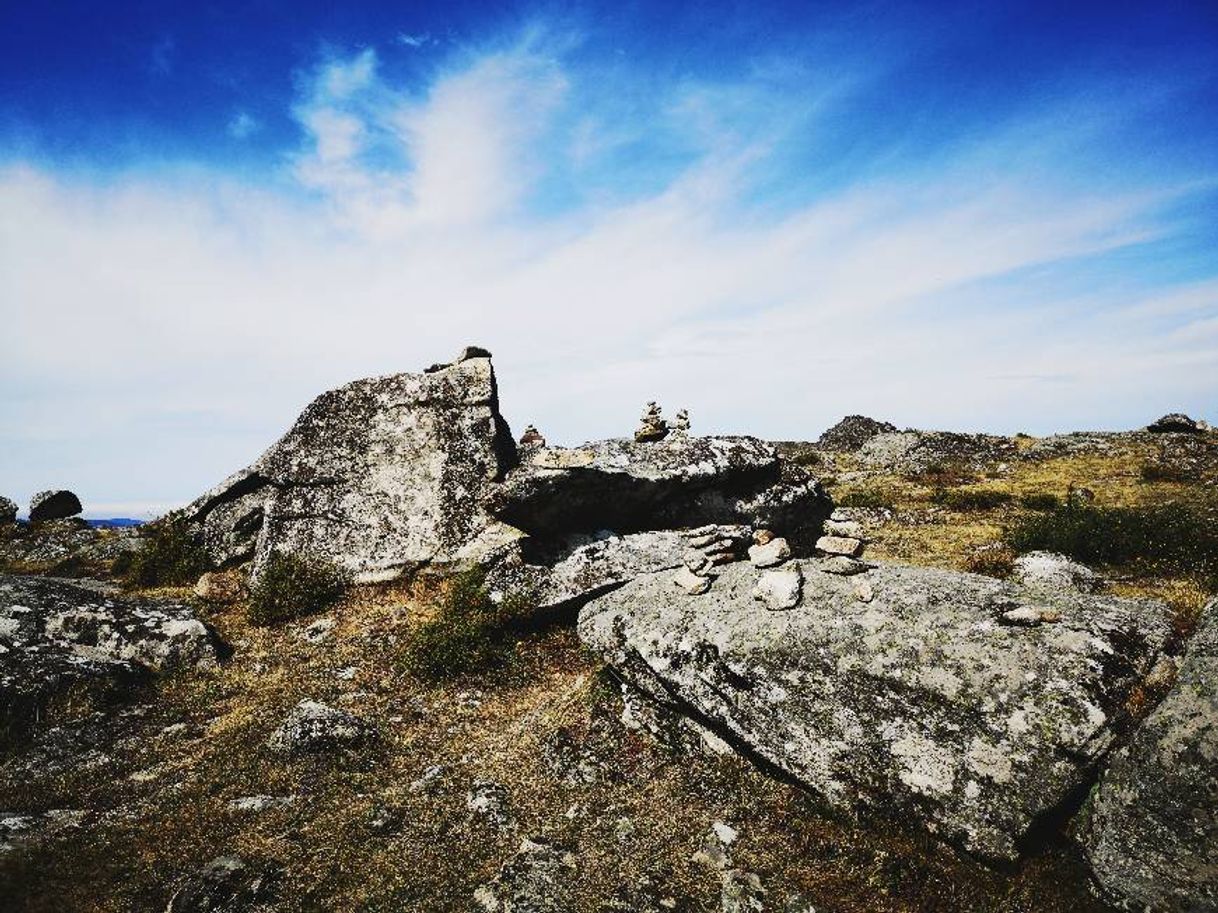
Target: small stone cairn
column 842, row 545
column 532, row 437
column 680, row 424
column 652, row 426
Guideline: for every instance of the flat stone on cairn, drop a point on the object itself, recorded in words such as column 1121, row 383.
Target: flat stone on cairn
column 839, row 545
column 54, row 505
column 652, row 426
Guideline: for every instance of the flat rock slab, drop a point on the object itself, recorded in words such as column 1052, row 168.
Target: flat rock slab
column 1150, row 830
column 55, row 636
column 922, row 699
column 628, row 486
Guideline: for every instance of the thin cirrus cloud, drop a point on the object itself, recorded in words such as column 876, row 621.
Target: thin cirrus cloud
column 694, row 242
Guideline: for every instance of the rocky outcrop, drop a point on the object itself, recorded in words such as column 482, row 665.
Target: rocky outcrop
column 8, row 510
column 227, row 884
column 54, row 505
column 1150, row 829
column 1176, row 422
column 537, row 879
column 852, row 432
column 626, row 486
column 976, row 705
column 919, row 451
column 55, row 636
column 379, row 476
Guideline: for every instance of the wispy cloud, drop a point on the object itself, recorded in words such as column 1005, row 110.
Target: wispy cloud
column 243, row 125
column 610, row 246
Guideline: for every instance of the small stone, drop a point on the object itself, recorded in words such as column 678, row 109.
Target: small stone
column 839, row 545
column 691, row 583
column 863, row 591
column 698, row 564
column 762, row 537
column 780, row 589
column 54, row 505
column 260, row 803
column 774, row 552
column 1031, row 615
column 850, row 529
column 221, row 586
column 471, row 352
column 726, row 833
column 843, row 566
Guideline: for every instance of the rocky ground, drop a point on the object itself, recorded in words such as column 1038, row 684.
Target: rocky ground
column 307, row 765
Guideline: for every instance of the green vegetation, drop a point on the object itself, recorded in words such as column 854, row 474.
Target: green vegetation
column 469, row 633
column 1040, row 502
column 170, row 557
column 291, row 587
column 1176, row 537
column 1165, row 472
column 992, row 562
column 965, row 499
column 874, row 498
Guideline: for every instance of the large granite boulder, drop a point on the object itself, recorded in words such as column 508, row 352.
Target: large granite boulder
column 973, row 704
column 1150, row 829
column 628, row 486
column 380, row 476
column 56, row 636
column 1176, row 422
column 852, row 432
column 54, row 505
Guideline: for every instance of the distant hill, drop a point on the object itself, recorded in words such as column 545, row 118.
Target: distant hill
column 115, row 523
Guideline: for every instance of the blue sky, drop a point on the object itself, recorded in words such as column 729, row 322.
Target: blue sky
column 991, row 216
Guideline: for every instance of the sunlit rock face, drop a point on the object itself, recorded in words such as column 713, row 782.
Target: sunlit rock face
column 380, row 476
column 968, row 703
column 1150, row 830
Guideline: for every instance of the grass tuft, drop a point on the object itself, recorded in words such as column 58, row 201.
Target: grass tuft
column 291, row 587
column 470, row 632
column 170, row 557
column 966, row 499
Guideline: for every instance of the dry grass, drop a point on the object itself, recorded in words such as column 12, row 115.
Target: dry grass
column 158, row 802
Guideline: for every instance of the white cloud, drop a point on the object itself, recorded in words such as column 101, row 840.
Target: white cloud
column 163, row 331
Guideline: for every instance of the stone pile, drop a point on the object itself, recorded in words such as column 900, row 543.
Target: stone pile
column 843, row 541
column 8, row 511
column 652, row 426
column 1174, row 422
column 532, row 437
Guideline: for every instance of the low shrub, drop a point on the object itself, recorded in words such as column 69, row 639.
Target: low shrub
column 1040, row 502
column 992, row 562
column 170, row 557
column 469, row 633
column 874, row 498
column 967, row 499
column 291, row 587
column 1180, row 538
column 1165, row 472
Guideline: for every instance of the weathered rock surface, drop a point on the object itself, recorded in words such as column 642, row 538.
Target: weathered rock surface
column 580, row 567
column 8, row 510
column 54, row 505
column 227, row 884
column 537, row 879
column 221, row 586
column 380, row 476
column 65, row 548
column 54, row 636
column 853, row 432
column 1150, row 829
column 918, row 451
column 313, row 726
column 1173, row 422
column 628, row 487
column 1048, row 570
column 923, row 700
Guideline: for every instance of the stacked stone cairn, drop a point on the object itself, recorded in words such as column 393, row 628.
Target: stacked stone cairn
column 709, row 547
column 680, row 423
column 842, row 544
column 532, row 437
column 652, row 426
column 780, row 584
